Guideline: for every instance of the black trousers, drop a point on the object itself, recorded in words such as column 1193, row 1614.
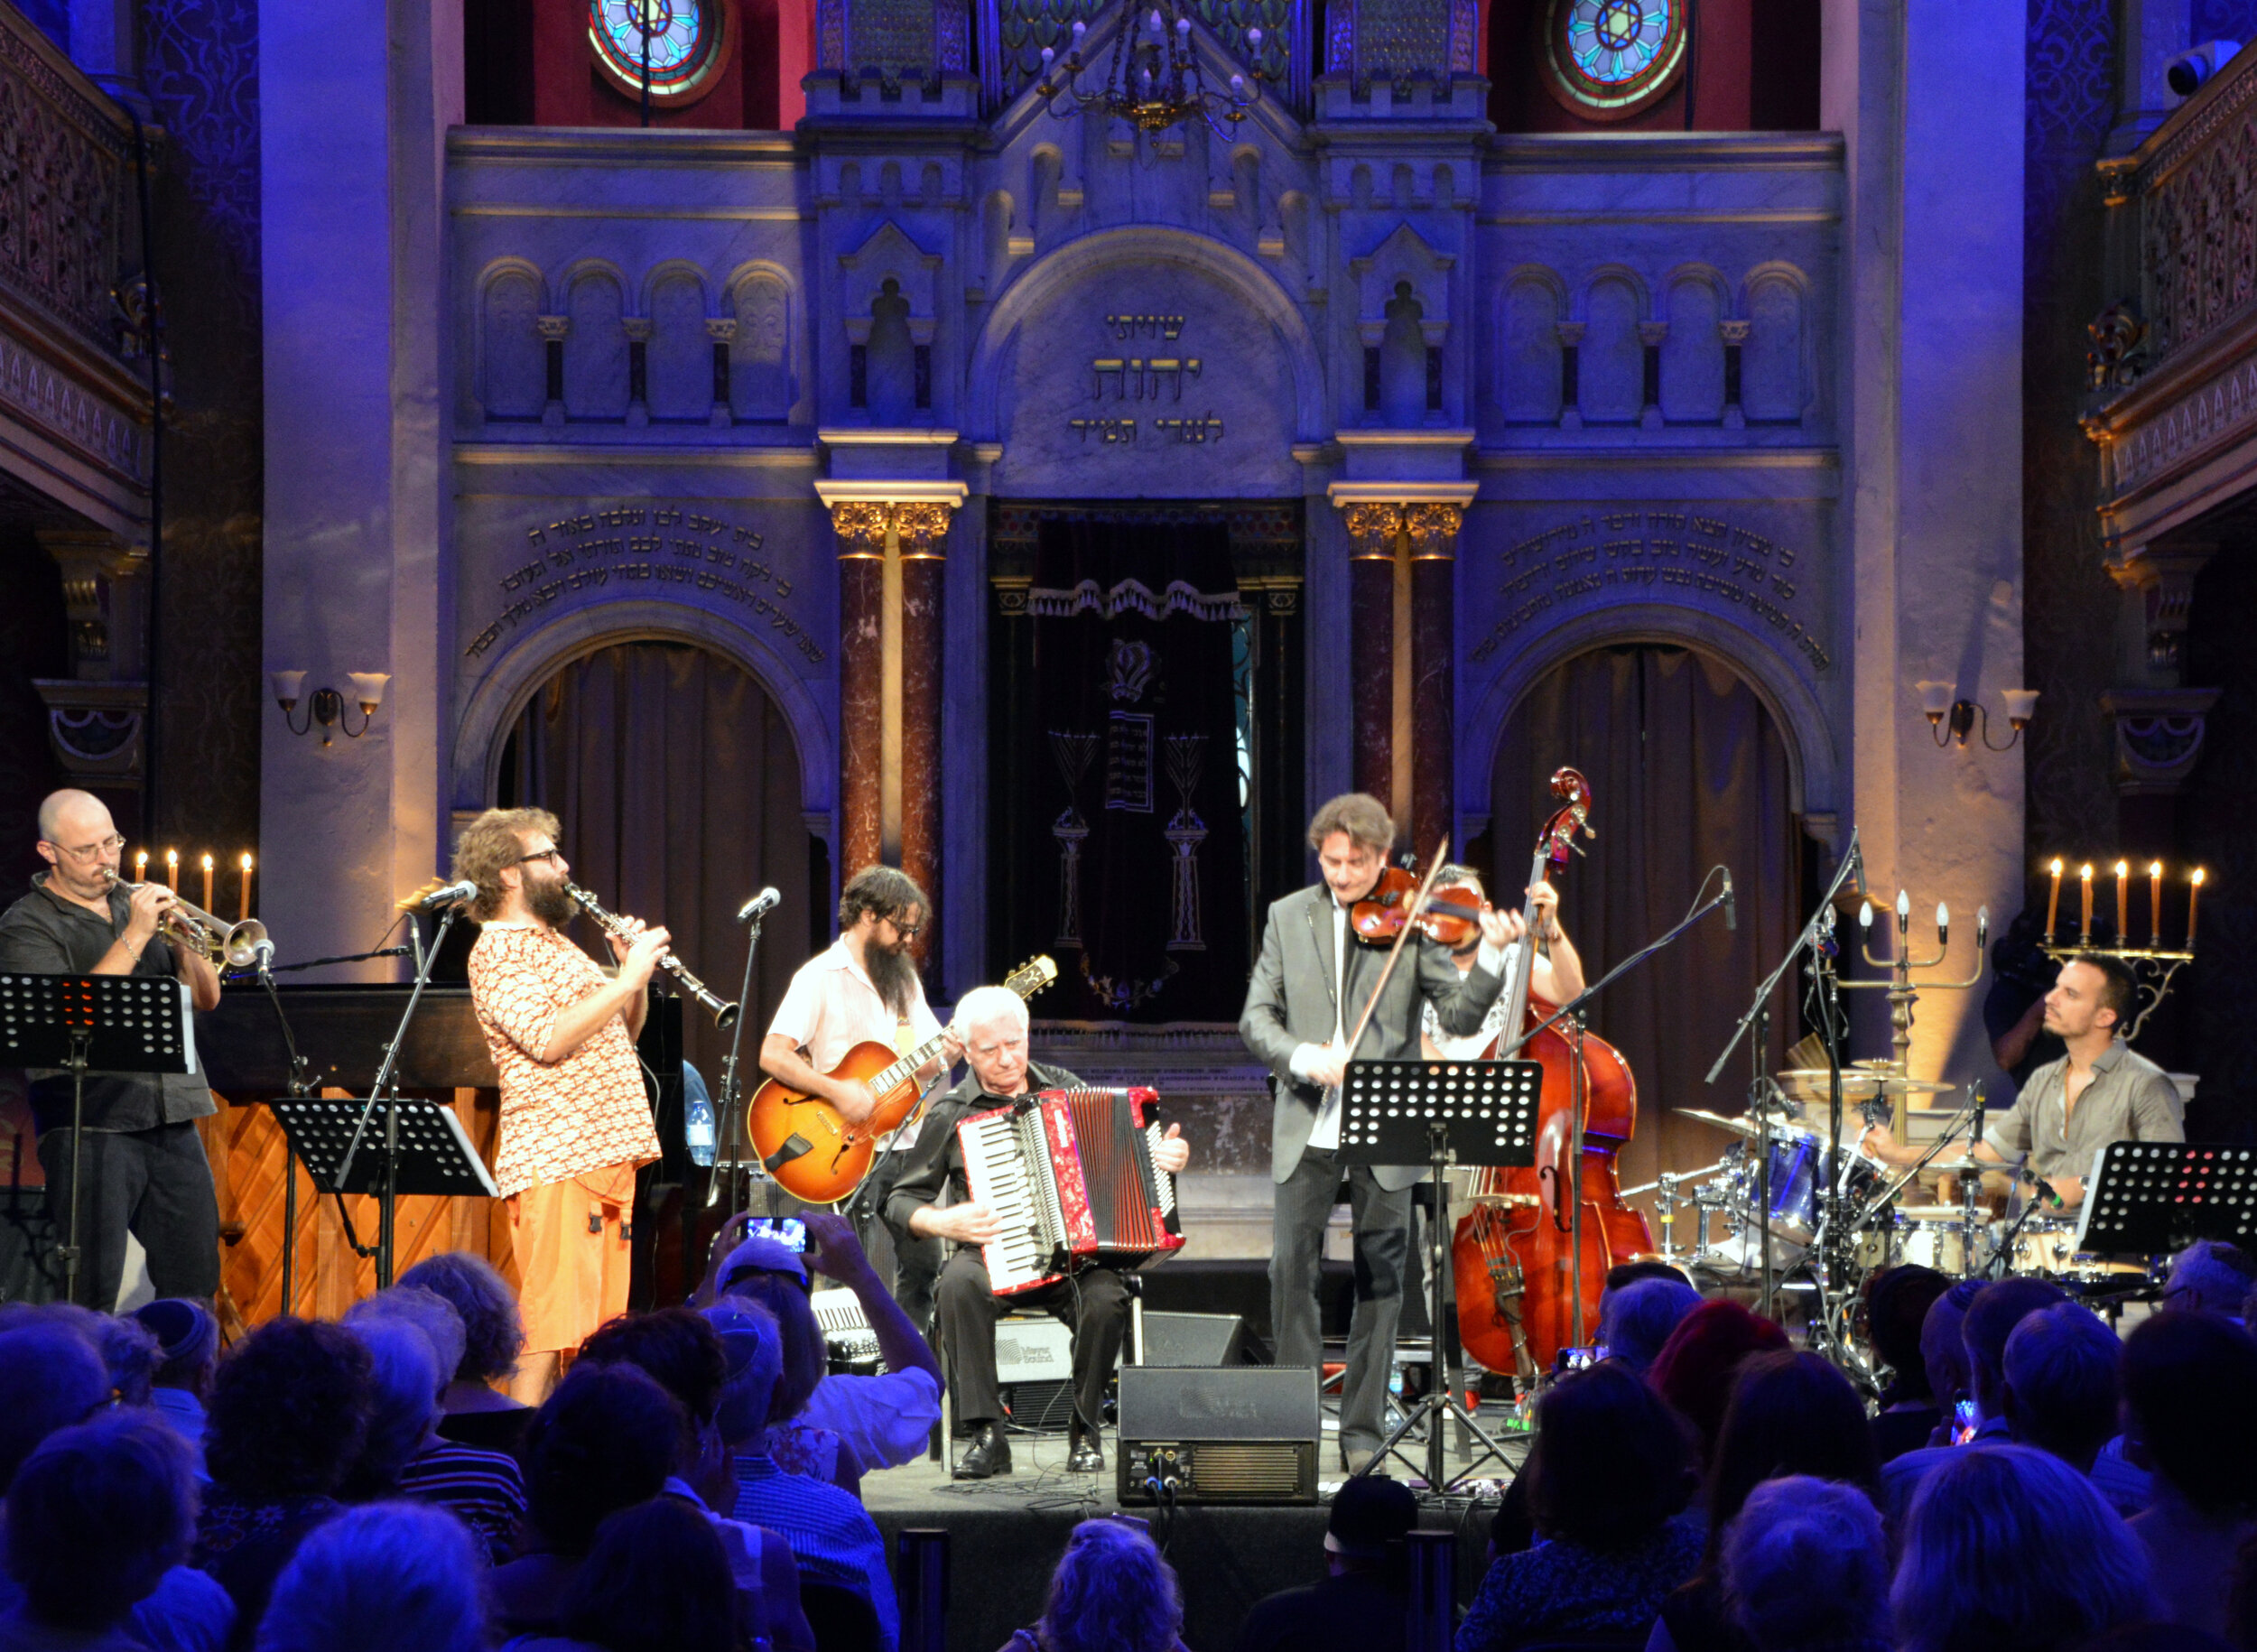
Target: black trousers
column 1094, row 1303
column 154, row 1184
column 916, row 1262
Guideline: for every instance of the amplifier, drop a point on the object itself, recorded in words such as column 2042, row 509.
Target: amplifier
column 1193, row 1339
column 1227, row 1434
column 1033, row 1349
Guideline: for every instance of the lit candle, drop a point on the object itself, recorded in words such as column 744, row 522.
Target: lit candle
column 1904, row 913
column 1943, row 924
column 2155, row 903
column 207, row 883
column 2124, row 902
column 141, row 865
column 173, row 869
column 2053, row 901
column 2085, row 883
column 2194, row 894
column 247, row 886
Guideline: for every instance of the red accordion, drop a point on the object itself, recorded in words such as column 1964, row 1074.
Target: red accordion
column 1069, row 1173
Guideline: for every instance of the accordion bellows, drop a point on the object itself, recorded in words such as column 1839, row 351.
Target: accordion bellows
column 1069, row 1173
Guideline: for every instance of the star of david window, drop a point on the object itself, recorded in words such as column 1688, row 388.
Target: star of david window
column 1607, row 60
column 683, row 40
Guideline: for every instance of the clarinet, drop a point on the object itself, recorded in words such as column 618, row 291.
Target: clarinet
column 723, row 1013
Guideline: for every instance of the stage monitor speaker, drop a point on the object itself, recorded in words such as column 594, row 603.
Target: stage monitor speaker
column 1207, row 1340
column 1240, row 1434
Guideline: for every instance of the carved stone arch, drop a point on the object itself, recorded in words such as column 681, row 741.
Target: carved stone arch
column 1132, row 247
column 1614, row 305
column 1046, row 179
column 1405, row 256
column 1778, row 362
column 767, row 359
column 1532, row 302
column 1696, row 303
column 595, row 344
column 1813, row 761
column 1579, row 309
column 674, row 269
column 505, row 377
column 889, row 253
column 500, row 697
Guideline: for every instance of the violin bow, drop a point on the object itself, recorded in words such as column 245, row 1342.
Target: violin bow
column 1410, row 920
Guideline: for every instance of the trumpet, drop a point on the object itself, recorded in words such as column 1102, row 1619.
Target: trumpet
column 724, row 1013
column 236, row 945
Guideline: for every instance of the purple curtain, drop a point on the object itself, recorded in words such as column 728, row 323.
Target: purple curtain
column 1687, row 772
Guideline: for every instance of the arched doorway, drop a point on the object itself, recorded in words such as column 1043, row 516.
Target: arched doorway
column 1688, row 771
column 677, row 782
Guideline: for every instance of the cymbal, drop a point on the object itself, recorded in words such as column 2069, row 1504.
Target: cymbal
column 1857, row 1085
column 1962, row 1166
column 1748, row 1127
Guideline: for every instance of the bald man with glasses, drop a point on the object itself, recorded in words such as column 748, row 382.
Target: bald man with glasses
column 144, row 1170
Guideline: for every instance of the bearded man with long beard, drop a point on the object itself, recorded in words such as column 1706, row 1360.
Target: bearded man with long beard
column 865, row 989
column 575, row 1122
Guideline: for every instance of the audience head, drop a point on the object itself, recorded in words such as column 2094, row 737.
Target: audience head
column 1791, row 1414
column 1991, row 1319
column 1896, row 1308
column 655, row 1580
column 2008, row 1549
column 289, row 1411
column 1636, row 1320
column 402, row 1402
column 678, row 1348
column 2060, row 1376
column 763, row 1271
column 427, row 1311
column 97, row 1517
column 1943, row 1351
column 51, row 1376
column 1694, row 1370
column 128, row 1347
column 1611, row 1462
column 753, row 1348
column 1648, row 1268
column 1111, row 1592
column 1369, row 1513
column 384, row 1578
column 2190, row 1399
column 606, row 1440
column 1806, row 1566
column 2210, row 1276
column 492, row 1331
column 187, row 1342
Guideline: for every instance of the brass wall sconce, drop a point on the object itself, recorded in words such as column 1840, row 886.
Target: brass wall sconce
column 1953, row 719
column 327, row 706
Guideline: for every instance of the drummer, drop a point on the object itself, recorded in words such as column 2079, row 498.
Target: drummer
column 2101, row 1091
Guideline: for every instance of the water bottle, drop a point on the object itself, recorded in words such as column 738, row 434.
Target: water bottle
column 697, row 1116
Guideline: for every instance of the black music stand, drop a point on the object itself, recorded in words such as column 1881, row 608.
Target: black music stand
column 429, row 1151
column 2155, row 1198
column 1470, row 1112
column 99, row 1024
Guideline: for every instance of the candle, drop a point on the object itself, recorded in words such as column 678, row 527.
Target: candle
column 247, row 886
column 1943, row 924
column 2085, row 884
column 207, row 883
column 2053, row 901
column 2194, row 894
column 1904, row 913
column 173, row 869
column 141, row 865
column 2155, row 903
column 2124, row 902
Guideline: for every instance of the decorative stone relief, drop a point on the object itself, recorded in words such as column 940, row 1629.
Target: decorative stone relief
column 65, row 169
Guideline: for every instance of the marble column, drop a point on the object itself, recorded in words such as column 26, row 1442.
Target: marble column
column 1434, row 545
column 861, row 526
column 1373, row 530
column 921, row 531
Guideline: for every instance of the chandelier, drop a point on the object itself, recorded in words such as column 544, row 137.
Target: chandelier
column 1153, row 81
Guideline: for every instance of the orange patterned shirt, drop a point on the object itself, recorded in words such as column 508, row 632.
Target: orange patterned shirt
column 560, row 1119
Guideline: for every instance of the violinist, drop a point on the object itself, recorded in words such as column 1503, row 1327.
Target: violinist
column 1558, row 971
column 1310, row 989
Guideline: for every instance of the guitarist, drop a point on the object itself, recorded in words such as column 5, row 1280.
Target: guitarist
column 865, row 989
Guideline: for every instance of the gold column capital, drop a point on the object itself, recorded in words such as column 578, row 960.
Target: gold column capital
column 1433, row 530
column 1373, row 525
column 860, row 526
column 922, row 525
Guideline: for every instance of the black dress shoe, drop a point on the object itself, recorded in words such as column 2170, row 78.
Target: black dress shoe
column 1087, row 1457
column 991, row 1454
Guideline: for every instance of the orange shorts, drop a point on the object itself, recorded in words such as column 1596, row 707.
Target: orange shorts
column 573, row 1246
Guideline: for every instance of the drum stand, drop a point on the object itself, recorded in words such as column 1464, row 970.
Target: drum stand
column 1667, row 1198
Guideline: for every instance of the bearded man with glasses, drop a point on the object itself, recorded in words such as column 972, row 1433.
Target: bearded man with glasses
column 144, row 1171
column 575, row 1121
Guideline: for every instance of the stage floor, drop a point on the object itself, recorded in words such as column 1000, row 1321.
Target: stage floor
column 1005, row 1534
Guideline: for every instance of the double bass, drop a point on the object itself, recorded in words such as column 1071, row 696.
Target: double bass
column 1514, row 1259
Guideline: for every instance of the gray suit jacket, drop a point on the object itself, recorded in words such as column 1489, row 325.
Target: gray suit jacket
column 1289, row 1003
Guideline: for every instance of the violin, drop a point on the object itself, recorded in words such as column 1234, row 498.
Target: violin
column 1452, row 916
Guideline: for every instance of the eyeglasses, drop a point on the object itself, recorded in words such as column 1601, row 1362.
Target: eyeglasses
column 549, row 855
column 907, row 932
column 92, row 851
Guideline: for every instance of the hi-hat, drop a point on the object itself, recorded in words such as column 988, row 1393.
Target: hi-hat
column 1739, row 1127
column 1858, row 1084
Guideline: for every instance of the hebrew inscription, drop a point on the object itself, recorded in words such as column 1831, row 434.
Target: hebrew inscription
column 1145, row 378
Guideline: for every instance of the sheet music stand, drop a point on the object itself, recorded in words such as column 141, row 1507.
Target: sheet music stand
column 1439, row 1112
column 99, row 1024
column 2155, row 1198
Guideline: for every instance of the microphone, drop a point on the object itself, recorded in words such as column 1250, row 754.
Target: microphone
column 1974, row 1131
column 1731, row 906
column 759, row 905
column 451, row 894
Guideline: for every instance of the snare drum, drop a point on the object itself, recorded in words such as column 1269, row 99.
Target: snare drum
column 1936, row 1235
column 2049, row 1247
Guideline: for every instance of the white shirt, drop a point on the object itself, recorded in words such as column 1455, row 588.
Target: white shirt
column 831, row 1007
column 887, row 1418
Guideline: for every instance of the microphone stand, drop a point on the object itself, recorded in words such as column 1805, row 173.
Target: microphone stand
column 728, row 1160
column 1569, row 1187
column 1759, row 1011
column 300, row 1074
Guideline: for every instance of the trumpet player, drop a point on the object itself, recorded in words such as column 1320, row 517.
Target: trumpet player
column 575, row 1123
column 143, row 1167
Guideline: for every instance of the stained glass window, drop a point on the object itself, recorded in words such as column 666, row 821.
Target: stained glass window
column 682, row 38
column 1610, row 58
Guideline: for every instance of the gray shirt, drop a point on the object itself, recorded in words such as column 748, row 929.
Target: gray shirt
column 2129, row 1099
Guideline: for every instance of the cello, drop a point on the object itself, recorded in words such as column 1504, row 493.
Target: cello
column 1519, row 1273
